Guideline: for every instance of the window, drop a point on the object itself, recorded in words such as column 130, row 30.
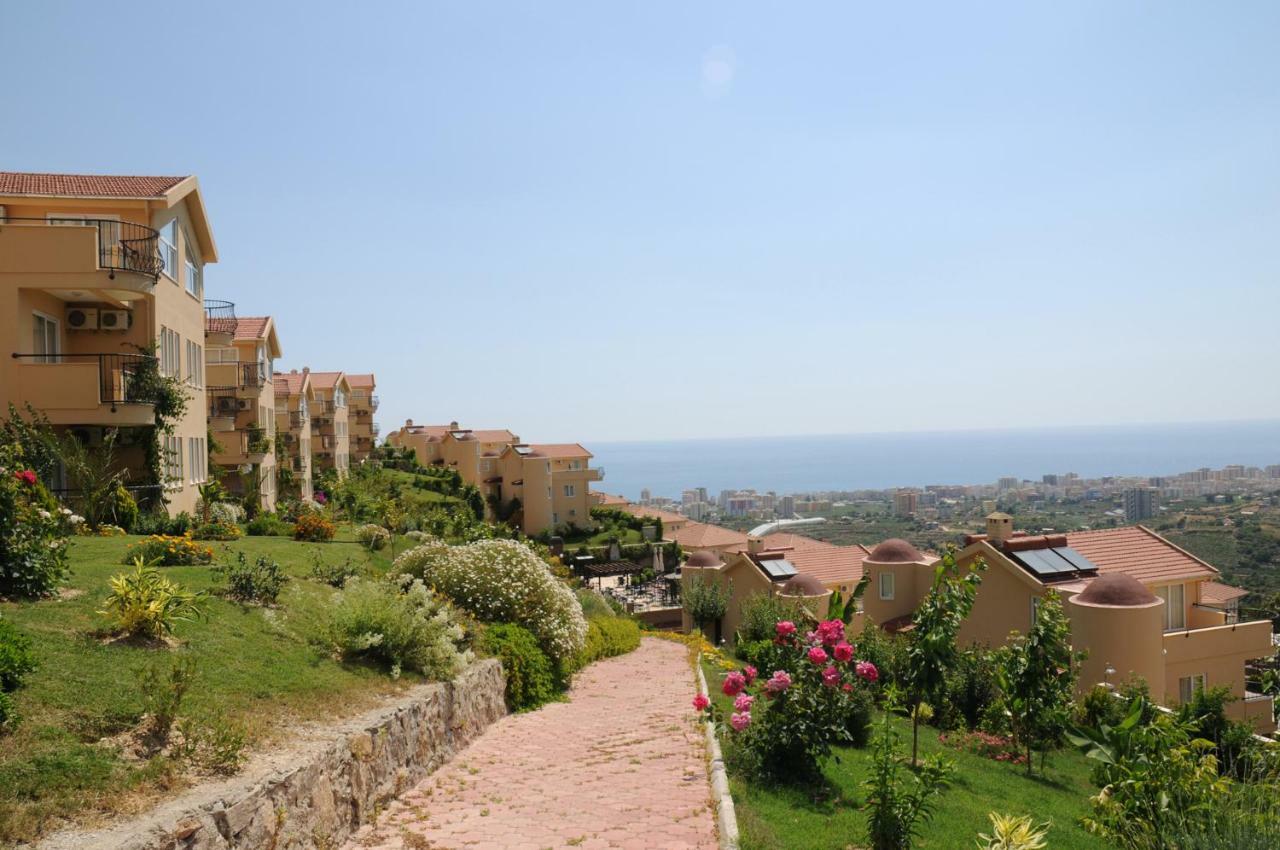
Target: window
column 44, row 338
column 886, row 585
column 568, row 490
column 170, row 353
column 195, row 364
column 1175, row 611
column 195, row 285
column 169, row 250
column 173, row 462
column 1189, row 685
column 339, row 398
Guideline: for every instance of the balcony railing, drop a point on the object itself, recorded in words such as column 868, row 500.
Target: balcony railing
column 373, row 402
column 219, row 317
column 122, row 245
column 235, row 376
column 299, row 420
column 122, row 378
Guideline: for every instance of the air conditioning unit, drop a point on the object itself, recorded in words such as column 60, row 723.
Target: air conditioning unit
column 115, row 320
column 244, row 403
column 226, row 404
column 82, row 318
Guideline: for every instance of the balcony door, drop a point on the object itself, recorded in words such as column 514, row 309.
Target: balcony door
column 45, row 343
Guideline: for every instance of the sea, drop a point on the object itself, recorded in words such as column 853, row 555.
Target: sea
column 915, row 459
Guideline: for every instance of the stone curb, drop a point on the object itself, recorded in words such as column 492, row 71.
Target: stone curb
column 726, row 817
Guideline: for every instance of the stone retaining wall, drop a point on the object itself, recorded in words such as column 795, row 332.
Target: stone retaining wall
column 315, row 791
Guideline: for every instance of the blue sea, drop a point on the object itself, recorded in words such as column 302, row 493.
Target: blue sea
column 881, row 461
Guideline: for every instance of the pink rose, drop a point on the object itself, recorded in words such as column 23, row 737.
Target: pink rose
column 831, row 677
column 778, row 682
column 831, row 632
column 739, row 720
column 743, row 702
column 26, row 476
column 751, row 673
column 843, row 651
column 818, row 655
column 734, row 683
column 846, row 687
column 700, row 702
column 867, row 671
column 785, row 628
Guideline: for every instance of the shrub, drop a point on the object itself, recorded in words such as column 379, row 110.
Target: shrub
column 896, row 803
column 335, row 574
column 260, row 581
column 17, row 661
column 760, row 611
column 607, row 637
column 803, row 708
column 146, row 604
column 403, row 626
column 971, row 689
column 505, row 582
column 1014, row 833
column 216, row 529
column 163, row 690
column 124, row 509
column 268, row 525
column 314, row 528
column 417, row 536
column 530, row 675
column 373, row 537
column 33, row 550
column 167, row 551
column 593, row 603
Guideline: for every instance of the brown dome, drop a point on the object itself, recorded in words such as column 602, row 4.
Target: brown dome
column 802, row 585
column 704, row 558
column 1116, row 589
column 895, row 550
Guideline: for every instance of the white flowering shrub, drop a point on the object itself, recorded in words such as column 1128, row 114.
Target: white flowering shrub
column 403, row 626
column 225, row 512
column 417, row 536
column 502, row 581
column 373, row 537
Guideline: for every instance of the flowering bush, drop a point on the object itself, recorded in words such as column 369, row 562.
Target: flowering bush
column 168, row 551
column 216, row 529
column 33, row 546
column 818, row 695
column 401, row 626
column 506, row 582
column 314, row 528
column 373, row 537
column 995, row 747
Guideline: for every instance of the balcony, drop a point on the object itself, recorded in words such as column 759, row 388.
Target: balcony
column 299, row 420
column 1223, row 652
column 584, row 474
column 249, row 445
column 62, row 250
column 234, row 375
column 89, row 389
column 220, row 320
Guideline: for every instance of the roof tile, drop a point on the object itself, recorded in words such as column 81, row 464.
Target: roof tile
column 85, row 185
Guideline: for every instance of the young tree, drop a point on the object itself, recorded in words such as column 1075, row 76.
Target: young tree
column 1037, row 673
column 933, row 645
column 896, row 804
column 706, row 601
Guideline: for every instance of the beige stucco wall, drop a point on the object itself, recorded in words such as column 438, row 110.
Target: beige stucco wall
column 911, row 583
column 1219, row 654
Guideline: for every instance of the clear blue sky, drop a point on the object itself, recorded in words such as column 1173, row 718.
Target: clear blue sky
column 591, row 222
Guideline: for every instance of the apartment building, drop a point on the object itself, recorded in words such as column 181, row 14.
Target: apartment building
column 362, row 405
column 330, row 422
column 1138, row 604
column 294, row 400
column 424, row 440
column 95, row 271
column 240, row 355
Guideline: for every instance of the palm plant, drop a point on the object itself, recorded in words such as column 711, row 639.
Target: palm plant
column 92, row 473
column 146, row 604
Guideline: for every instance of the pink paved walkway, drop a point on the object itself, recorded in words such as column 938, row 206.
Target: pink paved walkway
column 621, row 765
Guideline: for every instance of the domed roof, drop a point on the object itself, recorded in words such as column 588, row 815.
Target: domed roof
column 1116, row 589
column 704, row 558
column 802, row 585
column 895, row 550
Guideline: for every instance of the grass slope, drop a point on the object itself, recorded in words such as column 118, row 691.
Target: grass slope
column 255, row 669
column 794, row 819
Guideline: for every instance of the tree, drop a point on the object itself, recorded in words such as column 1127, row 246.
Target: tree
column 937, row 622
column 1037, row 674
column 895, row 804
column 707, row 601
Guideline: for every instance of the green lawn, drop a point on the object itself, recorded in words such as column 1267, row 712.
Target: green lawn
column 255, row 669
column 793, row 819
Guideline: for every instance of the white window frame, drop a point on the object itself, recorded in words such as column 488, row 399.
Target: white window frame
column 887, row 589
column 194, row 273
column 195, row 364
column 168, row 250
column 569, row 491
column 1194, row 682
column 50, row 322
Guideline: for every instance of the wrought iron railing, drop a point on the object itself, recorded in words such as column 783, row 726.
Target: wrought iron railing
column 122, row 245
column 122, row 378
column 220, row 317
column 247, row 376
column 298, row 420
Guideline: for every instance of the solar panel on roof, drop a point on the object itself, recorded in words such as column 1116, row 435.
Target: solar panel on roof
column 778, row 568
column 1080, row 562
column 1045, row 563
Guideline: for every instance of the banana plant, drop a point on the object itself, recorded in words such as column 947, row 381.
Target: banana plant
column 843, row 609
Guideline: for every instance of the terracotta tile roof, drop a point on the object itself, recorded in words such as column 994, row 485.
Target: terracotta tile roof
column 828, row 563
column 609, row 500
column 1217, row 593
column 289, row 383
column 700, row 535
column 361, row 381
column 1139, row 552
column 559, row 450
column 433, row 432
column 325, row 380
column 251, row 327
column 85, row 185
column 797, row 542
column 499, row 435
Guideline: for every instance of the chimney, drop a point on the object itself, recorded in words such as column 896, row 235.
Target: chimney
column 999, row 527
column 293, row 371
column 408, row 423
column 453, row 426
column 755, row 545
column 306, row 369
